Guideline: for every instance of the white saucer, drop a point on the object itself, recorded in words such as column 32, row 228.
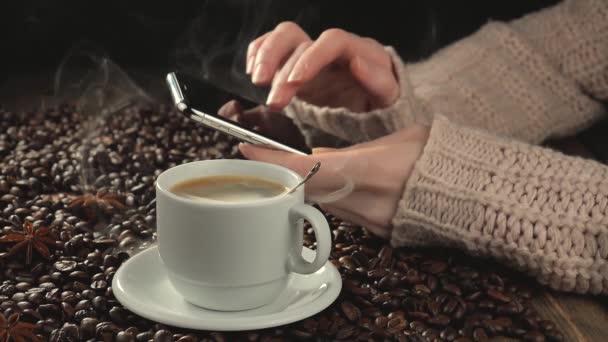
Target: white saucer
column 142, row 286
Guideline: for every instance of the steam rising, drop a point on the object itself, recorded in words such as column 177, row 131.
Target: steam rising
column 215, row 50
column 101, row 88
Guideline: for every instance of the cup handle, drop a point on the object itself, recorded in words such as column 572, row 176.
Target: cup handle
column 319, row 225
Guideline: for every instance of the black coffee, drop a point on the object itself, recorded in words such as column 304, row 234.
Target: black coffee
column 228, row 188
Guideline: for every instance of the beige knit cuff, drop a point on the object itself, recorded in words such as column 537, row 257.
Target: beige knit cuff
column 540, row 210
column 351, row 126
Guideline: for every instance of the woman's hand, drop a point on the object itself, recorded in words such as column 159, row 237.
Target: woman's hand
column 339, row 69
column 377, row 171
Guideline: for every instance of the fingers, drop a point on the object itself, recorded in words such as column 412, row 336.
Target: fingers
column 371, row 209
column 273, row 49
column 231, row 110
column 333, row 45
column 378, row 80
column 252, row 51
column 287, row 58
column 349, row 216
column 282, row 92
column 368, row 62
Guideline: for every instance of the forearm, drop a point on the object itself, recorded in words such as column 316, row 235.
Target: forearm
column 535, row 78
column 354, row 127
column 539, row 210
column 538, row 77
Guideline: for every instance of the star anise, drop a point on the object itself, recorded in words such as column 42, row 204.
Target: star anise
column 103, row 200
column 29, row 239
column 18, row 331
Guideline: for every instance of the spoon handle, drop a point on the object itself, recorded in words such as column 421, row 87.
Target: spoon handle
column 310, row 173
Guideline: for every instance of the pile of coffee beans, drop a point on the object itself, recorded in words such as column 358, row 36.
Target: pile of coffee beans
column 49, row 158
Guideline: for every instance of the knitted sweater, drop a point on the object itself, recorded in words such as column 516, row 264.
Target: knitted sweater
column 480, row 184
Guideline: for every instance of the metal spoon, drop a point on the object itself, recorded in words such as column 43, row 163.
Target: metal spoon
column 311, row 173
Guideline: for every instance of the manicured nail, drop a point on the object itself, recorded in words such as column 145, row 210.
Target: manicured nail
column 260, row 73
column 317, row 150
column 296, row 75
column 273, row 98
column 243, row 147
column 249, row 67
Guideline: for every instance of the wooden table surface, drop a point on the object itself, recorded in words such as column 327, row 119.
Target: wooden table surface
column 578, row 317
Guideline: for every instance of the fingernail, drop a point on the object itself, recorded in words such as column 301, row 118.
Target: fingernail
column 318, row 150
column 243, row 147
column 273, row 98
column 249, row 65
column 296, row 75
column 259, row 75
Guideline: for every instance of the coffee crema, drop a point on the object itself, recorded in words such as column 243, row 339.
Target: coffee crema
column 228, row 188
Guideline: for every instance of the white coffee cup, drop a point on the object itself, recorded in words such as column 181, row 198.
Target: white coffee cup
column 235, row 255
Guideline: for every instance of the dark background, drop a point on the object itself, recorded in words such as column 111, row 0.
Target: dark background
column 35, row 34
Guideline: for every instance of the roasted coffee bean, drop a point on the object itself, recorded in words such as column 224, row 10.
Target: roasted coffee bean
column 498, row 296
column 419, row 315
column 88, row 327
column 450, row 306
column 351, row 311
column 486, row 305
column 360, row 258
column 163, row 336
column 381, row 321
column 49, row 310
column 421, row 290
column 533, row 336
column 479, row 335
column 65, row 265
column 453, row 289
column 144, row 336
column 99, row 303
column 388, row 282
column 390, row 294
column 546, row 325
column 554, row 335
column 395, row 325
column 99, row 285
column 118, row 315
column 23, row 286
column 125, row 337
column 433, row 267
column 441, row 320
column 360, row 291
column 7, row 290
column 448, row 334
column 346, row 332
column 35, row 298
column 372, row 312
column 68, row 309
column 377, row 273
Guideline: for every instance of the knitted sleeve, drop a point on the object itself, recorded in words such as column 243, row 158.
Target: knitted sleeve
column 541, row 76
column 541, row 211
